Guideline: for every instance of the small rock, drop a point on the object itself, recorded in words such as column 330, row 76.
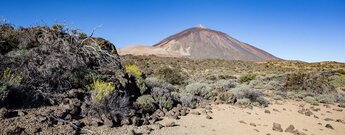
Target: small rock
column 290, row 129
column 168, row 123
column 338, row 109
column 296, row 132
column 183, row 113
column 241, row 121
column 131, row 132
column 146, row 130
column 195, row 113
column 155, row 126
column 329, row 126
column 276, row 110
column 308, row 113
column 329, row 119
column 267, row 111
column 126, row 121
column 22, row 113
column 277, row 127
column 108, row 122
column 256, row 130
column 208, row 117
column 316, row 117
column 319, row 123
column 3, row 113
column 252, row 124
column 42, row 119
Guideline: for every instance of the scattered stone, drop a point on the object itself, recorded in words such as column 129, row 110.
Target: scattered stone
column 249, row 113
column 328, row 112
column 284, row 109
column 329, row 126
column 22, row 113
column 155, row 126
column 296, row 132
column 208, row 117
column 3, row 113
column 195, row 113
column 267, row 111
column 241, row 121
column 256, row 130
column 338, row 109
column 131, row 132
column 305, row 130
column 329, row 119
column 108, row 122
column 183, row 112
column 203, row 112
column 319, row 123
column 168, row 123
column 290, row 129
column 146, row 130
column 340, row 121
column 125, row 121
column 42, row 118
column 277, row 127
column 327, row 106
column 316, row 117
column 252, row 124
column 308, row 113
column 276, row 110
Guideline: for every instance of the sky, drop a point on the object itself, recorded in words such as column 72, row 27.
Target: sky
column 307, row 30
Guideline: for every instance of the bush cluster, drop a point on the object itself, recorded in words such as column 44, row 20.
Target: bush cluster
column 199, row 89
column 170, row 75
column 146, row 102
column 102, row 89
column 134, row 71
column 245, row 78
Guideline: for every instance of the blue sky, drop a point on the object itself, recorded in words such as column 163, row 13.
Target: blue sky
column 308, row 30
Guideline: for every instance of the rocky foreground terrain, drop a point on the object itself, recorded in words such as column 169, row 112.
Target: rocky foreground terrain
column 55, row 80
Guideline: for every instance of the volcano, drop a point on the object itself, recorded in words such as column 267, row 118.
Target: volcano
column 201, row 43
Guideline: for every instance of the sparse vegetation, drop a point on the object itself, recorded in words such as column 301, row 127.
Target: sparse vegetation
column 102, row 89
column 246, row 78
column 311, row 100
column 199, row 89
column 146, row 102
column 171, row 75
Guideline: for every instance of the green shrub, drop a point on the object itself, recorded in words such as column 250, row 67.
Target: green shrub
column 246, row 77
column 227, row 97
column 170, row 75
column 326, row 98
column 102, row 89
column 58, row 27
column 311, row 100
column 146, row 102
column 10, row 78
column 187, row 100
column 251, row 94
column 164, row 102
column 200, row 89
column 277, row 97
column 338, row 80
column 82, row 35
column 244, row 101
column 152, row 82
column 224, row 85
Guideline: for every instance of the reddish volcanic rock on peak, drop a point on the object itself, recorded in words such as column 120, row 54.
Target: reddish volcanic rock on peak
column 201, row 43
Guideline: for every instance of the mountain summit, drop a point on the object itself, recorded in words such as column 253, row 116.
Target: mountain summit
column 201, row 43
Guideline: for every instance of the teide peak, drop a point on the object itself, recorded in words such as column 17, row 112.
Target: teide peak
column 201, row 43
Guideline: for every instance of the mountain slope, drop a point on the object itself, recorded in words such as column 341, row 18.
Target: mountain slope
column 202, row 43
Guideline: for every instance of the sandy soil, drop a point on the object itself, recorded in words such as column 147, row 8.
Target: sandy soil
column 236, row 120
column 226, row 120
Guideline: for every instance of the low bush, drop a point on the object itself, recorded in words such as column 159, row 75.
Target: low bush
column 134, row 71
column 170, row 75
column 244, row 101
column 146, row 102
column 162, row 97
column 326, row 98
column 227, row 97
column 188, row 100
column 199, row 89
column 251, row 94
column 10, row 78
column 154, row 82
column 224, row 85
column 311, row 100
column 246, row 77
column 102, row 89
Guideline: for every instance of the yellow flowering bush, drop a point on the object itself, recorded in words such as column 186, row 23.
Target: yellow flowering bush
column 102, row 89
